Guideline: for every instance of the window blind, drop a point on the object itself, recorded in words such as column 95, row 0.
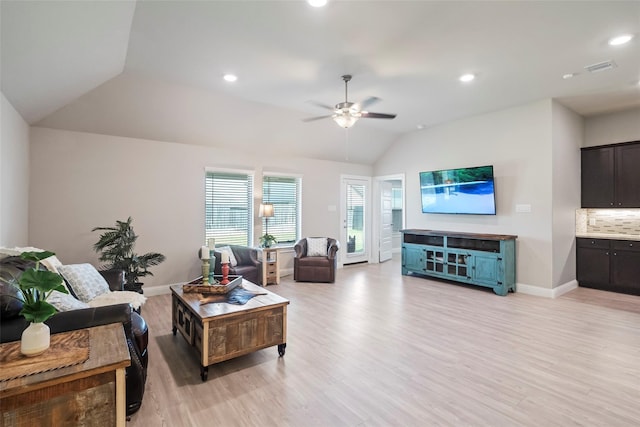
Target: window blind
column 228, row 208
column 284, row 193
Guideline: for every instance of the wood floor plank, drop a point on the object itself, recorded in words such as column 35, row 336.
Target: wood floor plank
column 377, row 348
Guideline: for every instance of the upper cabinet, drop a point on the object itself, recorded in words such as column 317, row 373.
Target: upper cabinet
column 611, row 176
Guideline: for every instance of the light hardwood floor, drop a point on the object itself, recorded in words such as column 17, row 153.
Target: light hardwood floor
column 381, row 349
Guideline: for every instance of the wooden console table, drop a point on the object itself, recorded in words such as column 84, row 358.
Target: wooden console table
column 87, row 394
column 476, row 259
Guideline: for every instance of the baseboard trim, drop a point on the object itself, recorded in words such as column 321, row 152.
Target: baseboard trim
column 545, row 292
column 152, row 291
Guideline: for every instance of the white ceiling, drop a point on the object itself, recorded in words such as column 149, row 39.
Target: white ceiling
column 153, row 69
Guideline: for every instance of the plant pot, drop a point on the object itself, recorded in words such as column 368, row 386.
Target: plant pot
column 36, row 339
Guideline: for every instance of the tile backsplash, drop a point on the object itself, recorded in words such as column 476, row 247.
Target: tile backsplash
column 608, row 221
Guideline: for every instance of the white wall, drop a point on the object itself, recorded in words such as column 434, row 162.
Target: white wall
column 610, row 128
column 517, row 142
column 567, row 133
column 91, row 180
column 14, row 177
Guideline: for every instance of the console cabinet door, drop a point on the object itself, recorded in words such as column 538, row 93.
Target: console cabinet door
column 413, row 259
column 627, row 182
column 486, row 269
column 597, row 182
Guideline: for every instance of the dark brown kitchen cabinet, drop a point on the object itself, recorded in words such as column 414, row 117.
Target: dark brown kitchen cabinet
column 610, row 265
column 611, row 176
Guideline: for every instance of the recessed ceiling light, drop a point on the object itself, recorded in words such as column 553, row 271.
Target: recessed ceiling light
column 618, row 40
column 317, row 3
column 569, row 75
column 467, row 77
column 230, row 77
column 420, row 127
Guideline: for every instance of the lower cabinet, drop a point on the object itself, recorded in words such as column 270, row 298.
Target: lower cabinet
column 477, row 259
column 610, row 265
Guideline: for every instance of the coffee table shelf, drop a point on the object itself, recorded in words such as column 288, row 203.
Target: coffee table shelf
column 221, row 331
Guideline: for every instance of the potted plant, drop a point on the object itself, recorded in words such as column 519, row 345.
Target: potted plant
column 35, row 286
column 267, row 240
column 116, row 246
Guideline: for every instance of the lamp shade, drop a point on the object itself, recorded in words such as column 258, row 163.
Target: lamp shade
column 266, row 210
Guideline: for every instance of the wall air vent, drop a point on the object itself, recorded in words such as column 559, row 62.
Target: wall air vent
column 601, row 66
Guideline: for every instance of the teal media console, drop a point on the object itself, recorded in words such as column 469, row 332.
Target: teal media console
column 487, row 260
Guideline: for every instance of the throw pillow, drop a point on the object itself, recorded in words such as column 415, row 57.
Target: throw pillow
column 65, row 302
column 84, row 280
column 232, row 258
column 316, row 246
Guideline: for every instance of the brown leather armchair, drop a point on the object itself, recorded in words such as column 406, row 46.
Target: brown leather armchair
column 315, row 268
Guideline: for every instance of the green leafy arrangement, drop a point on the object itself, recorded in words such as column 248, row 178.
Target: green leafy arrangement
column 36, row 285
column 267, row 240
column 116, row 250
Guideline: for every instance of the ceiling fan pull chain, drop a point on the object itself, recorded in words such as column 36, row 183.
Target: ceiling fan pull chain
column 346, row 137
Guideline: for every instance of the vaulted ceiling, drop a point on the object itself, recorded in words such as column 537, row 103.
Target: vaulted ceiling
column 153, row 69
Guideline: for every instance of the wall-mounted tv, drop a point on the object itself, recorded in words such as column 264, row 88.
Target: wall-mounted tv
column 458, row 191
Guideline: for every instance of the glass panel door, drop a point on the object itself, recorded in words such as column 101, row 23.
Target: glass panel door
column 355, row 220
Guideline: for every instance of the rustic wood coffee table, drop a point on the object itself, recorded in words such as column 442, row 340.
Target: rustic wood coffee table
column 222, row 331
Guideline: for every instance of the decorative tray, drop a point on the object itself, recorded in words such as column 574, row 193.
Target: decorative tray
column 196, row 286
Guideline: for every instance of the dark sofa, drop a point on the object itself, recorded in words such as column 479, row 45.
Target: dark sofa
column 135, row 327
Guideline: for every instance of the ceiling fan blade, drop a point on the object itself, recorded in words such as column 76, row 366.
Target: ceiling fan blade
column 368, row 115
column 318, row 104
column 368, row 101
column 313, row 119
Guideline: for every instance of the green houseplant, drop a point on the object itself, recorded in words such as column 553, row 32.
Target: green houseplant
column 116, row 247
column 267, row 240
column 35, row 286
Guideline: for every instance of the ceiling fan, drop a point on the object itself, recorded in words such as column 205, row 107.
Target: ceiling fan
column 346, row 113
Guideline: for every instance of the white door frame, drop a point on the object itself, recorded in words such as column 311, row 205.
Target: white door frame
column 343, row 218
column 377, row 211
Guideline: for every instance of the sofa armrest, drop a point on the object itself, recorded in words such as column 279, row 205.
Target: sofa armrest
column 300, row 248
column 115, row 279
column 72, row 320
column 334, row 246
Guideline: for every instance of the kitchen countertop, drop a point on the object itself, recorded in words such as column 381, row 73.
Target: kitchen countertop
column 635, row 237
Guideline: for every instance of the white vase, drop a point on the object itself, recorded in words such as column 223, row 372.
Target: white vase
column 35, row 339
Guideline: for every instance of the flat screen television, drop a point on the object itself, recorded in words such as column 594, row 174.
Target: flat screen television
column 458, row 191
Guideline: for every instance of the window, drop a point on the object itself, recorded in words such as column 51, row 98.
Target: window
column 284, row 193
column 228, row 207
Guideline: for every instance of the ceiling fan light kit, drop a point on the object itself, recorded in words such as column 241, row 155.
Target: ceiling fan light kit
column 346, row 113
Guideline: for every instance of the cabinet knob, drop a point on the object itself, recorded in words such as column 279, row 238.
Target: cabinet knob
column 619, row 203
column 593, row 242
column 611, row 204
column 630, row 245
column 606, row 253
column 615, row 253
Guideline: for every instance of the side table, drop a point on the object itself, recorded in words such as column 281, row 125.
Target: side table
column 87, row 394
column 270, row 266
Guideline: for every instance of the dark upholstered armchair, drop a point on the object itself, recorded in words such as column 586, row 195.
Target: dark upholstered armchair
column 317, row 267
column 249, row 267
